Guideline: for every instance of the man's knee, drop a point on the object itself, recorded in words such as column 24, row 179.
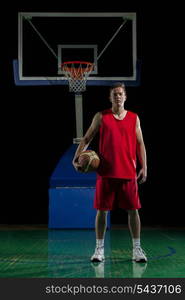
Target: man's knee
column 102, row 213
column 132, row 212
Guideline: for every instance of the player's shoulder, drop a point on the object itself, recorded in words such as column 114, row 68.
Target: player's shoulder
column 132, row 114
column 98, row 115
column 102, row 113
column 106, row 112
column 97, row 118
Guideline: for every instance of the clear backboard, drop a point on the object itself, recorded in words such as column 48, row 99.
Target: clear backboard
column 46, row 40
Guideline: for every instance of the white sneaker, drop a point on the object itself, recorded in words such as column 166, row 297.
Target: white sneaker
column 98, row 255
column 139, row 255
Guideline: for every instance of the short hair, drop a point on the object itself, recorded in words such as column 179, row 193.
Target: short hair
column 116, row 85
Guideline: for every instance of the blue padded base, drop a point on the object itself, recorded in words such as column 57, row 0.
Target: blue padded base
column 65, row 174
column 71, row 196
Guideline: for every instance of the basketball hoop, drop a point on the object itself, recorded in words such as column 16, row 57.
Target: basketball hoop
column 77, row 73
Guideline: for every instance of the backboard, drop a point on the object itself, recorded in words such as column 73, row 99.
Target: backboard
column 46, row 40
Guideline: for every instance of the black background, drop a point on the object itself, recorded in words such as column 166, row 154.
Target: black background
column 37, row 123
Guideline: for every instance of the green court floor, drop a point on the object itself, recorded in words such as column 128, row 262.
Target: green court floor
column 30, row 252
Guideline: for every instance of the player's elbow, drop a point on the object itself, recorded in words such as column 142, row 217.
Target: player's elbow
column 140, row 145
column 86, row 140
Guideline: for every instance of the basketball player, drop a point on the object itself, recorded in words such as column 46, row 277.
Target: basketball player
column 120, row 142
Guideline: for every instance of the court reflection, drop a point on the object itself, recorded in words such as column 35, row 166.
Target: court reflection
column 69, row 253
column 99, row 269
column 137, row 270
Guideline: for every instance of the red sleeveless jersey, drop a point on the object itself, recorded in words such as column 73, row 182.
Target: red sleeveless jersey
column 117, row 146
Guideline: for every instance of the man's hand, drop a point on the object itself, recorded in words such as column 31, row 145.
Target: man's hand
column 142, row 175
column 76, row 165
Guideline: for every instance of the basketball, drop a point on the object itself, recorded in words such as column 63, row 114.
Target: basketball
column 88, row 161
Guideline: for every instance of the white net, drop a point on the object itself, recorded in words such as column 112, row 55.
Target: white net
column 77, row 74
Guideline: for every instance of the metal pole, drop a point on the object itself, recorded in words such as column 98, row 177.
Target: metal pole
column 79, row 118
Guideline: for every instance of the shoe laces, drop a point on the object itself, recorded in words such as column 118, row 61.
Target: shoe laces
column 99, row 250
column 139, row 251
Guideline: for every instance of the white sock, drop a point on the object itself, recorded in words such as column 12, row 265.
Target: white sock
column 99, row 243
column 136, row 243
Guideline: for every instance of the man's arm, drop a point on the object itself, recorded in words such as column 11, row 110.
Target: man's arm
column 86, row 140
column 141, row 153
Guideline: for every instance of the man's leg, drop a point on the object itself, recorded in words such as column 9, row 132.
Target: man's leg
column 134, row 225
column 101, row 224
column 100, row 229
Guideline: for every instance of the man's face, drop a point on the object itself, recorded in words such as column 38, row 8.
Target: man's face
column 118, row 96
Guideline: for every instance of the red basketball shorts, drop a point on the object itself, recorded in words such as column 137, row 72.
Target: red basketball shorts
column 112, row 193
